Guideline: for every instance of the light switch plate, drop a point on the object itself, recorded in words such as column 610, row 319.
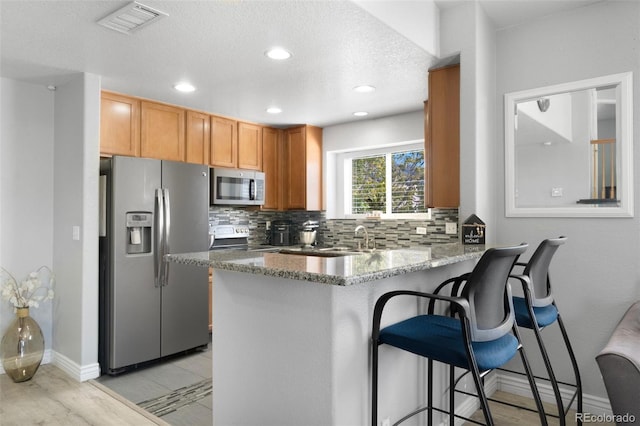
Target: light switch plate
column 556, row 192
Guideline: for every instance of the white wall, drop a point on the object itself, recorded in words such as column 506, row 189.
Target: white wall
column 49, row 157
column 596, row 274
column 26, row 189
column 476, row 47
column 76, row 169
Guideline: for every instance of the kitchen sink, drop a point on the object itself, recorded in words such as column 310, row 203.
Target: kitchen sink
column 330, row 252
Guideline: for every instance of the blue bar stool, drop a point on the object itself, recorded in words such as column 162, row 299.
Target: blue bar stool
column 538, row 310
column 478, row 335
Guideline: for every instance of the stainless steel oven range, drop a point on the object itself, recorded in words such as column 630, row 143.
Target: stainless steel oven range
column 228, row 237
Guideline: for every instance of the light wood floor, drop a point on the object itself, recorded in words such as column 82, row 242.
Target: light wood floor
column 504, row 415
column 52, row 398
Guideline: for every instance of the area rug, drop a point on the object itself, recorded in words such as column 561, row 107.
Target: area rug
column 178, row 398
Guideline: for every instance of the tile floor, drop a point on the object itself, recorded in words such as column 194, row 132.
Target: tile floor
column 161, row 379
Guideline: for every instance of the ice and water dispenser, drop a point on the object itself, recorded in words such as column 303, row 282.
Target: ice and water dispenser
column 139, row 232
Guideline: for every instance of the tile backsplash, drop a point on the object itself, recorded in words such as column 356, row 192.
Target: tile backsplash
column 387, row 233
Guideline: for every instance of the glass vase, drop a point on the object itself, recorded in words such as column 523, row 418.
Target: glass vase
column 22, row 347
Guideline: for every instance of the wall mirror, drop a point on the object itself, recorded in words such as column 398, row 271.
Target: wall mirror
column 569, row 149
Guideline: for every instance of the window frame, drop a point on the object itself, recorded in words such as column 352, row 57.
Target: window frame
column 345, row 160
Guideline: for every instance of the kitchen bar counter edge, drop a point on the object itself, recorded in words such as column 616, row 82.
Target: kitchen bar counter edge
column 342, row 270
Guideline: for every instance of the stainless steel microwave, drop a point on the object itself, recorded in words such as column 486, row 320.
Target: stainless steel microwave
column 236, row 186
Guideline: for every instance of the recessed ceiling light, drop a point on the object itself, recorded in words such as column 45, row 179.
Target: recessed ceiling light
column 360, row 113
column 364, row 89
column 274, row 110
column 184, row 87
column 278, row 53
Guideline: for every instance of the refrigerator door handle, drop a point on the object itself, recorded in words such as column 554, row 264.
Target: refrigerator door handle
column 159, row 238
column 167, row 233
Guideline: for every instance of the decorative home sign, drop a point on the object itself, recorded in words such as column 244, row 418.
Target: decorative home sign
column 473, row 230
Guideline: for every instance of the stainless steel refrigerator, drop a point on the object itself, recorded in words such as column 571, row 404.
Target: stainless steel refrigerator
column 149, row 308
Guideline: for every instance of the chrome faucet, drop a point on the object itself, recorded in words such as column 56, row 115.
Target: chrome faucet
column 366, row 235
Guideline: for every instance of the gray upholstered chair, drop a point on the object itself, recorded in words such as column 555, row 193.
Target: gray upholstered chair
column 619, row 364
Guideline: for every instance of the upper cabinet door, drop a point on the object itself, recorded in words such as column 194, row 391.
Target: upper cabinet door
column 272, row 166
column 442, row 138
column 119, row 125
column 295, row 182
column 224, row 142
column 303, row 168
column 163, row 135
column 198, row 138
column 249, row 146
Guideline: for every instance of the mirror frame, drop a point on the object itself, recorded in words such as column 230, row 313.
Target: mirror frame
column 624, row 114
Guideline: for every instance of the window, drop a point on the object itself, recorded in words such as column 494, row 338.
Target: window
column 391, row 182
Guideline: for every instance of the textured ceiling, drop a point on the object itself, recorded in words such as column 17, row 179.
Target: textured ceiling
column 219, row 47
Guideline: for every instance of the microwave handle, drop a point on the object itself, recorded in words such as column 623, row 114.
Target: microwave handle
column 252, row 189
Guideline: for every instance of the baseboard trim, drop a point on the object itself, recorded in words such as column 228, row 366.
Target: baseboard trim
column 520, row 386
column 79, row 372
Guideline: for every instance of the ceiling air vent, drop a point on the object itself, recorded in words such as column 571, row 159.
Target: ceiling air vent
column 131, row 18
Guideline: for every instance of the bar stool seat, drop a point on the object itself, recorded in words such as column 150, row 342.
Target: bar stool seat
column 545, row 315
column 418, row 334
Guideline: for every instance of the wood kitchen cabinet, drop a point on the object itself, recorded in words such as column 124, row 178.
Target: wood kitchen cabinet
column 162, row 133
column 249, row 146
column 442, row 138
column 303, row 168
column 224, row 142
column 119, row 125
column 198, row 137
column 272, row 163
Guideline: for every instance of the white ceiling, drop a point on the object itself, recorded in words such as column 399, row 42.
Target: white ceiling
column 219, row 47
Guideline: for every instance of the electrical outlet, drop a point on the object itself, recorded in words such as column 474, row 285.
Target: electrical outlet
column 386, row 422
column 421, row 230
column 451, row 228
column 268, row 225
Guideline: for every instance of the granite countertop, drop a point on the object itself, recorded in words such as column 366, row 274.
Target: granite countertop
column 346, row 269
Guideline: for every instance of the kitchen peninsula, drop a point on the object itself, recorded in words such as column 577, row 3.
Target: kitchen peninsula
column 291, row 332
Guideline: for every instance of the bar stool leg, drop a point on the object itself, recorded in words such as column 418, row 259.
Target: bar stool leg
column 430, row 391
column 574, row 364
column 547, row 364
column 374, row 384
column 452, row 392
column 532, row 381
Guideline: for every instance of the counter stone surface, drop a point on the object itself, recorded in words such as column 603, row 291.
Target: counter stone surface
column 341, row 270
